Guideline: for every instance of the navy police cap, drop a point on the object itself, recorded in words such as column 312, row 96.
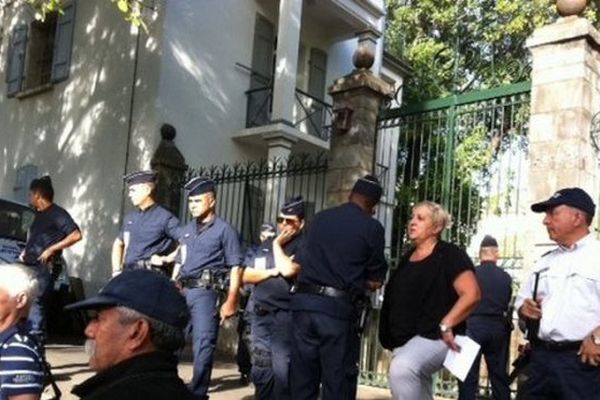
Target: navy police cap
column 147, row 292
column 134, row 178
column 574, row 197
column 200, row 185
column 368, row 186
column 294, row 206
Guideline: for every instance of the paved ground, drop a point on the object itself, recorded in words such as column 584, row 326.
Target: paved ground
column 69, row 365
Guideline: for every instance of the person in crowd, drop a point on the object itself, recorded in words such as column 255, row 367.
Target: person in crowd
column 52, row 231
column 341, row 259
column 148, row 230
column 560, row 303
column 140, row 322
column 426, row 302
column 21, row 364
column 490, row 324
column 208, row 267
column 272, row 274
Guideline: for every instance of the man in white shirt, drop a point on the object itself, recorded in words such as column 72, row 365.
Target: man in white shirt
column 565, row 359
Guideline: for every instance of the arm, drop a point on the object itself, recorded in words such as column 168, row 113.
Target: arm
column 25, row 397
column 117, row 256
column 253, row 275
column 469, row 295
column 589, row 352
column 284, row 263
column 68, row 241
column 229, row 307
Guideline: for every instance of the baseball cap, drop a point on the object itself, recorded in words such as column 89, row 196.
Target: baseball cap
column 574, row 197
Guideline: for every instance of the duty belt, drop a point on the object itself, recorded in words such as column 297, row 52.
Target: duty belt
column 207, row 280
column 321, row 290
column 551, row 345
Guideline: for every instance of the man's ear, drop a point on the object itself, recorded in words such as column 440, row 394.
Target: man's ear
column 22, row 300
column 139, row 335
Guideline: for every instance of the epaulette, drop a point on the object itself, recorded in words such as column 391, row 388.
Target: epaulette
column 546, row 253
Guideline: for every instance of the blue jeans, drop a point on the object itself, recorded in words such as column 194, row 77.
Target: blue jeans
column 205, row 328
column 37, row 314
column 560, row 375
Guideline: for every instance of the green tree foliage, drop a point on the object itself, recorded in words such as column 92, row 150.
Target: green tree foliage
column 131, row 9
column 459, row 45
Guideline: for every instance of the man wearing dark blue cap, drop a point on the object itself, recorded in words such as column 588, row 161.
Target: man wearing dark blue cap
column 564, row 314
column 488, row 325
column 341, row 260
column 53, row 230
column 272, row 274
column 141, row 317
column 147, row 231
column 209, row 253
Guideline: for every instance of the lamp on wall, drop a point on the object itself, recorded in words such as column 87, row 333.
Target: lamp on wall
column 342, row 120
column 595, row 131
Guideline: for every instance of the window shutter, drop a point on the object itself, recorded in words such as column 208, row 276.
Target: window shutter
column 63, row 42
column 16, row 60
column 317, row 75
column 25, row 175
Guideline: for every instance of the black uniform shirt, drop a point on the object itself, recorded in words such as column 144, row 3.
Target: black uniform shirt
column 496, row 290
column 342, row 249
column 49, row 226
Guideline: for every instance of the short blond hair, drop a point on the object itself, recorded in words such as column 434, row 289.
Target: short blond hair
column 439, row 215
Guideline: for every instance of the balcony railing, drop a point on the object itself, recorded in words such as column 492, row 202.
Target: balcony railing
column 311, row 115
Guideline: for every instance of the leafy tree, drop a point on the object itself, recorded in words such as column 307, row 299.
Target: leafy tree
column 131, row 9
column 459, row 45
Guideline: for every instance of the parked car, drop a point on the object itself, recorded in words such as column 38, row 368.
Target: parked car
column 15, row 220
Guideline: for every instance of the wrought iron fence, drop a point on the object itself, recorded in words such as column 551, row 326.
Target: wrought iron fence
column 250, row 193
column 311, row 115
column 469, row 153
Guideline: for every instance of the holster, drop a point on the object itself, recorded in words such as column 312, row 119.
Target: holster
column 362, row 306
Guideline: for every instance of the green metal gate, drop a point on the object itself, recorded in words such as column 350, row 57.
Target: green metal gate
column 469, row 153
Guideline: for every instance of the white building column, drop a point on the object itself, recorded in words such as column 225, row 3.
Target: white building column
column 280, row 148
column 286, row 64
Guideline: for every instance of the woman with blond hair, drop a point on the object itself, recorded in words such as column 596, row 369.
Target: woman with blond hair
column 427, row 300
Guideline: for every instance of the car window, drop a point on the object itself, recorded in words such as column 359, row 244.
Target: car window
column 15, row 220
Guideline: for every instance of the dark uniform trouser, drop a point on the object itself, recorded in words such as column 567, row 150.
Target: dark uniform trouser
column 37, row 313
column 271, row 353
column 325, row 350
column 242, row 356
column 560, row 375
column 205, row 328
column 493, row 336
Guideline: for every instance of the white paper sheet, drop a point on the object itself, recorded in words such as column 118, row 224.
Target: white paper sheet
column 459, row 363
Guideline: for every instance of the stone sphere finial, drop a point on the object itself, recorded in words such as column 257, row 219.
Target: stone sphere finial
column 363, row 57
column 571, row 7
column 168, row 132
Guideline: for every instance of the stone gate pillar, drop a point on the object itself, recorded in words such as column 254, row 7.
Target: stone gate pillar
column 357, row 99
column 564, row 98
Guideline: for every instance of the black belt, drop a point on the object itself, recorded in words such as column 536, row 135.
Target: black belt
column 551, row 345
column 321, row 290
column 197, row 283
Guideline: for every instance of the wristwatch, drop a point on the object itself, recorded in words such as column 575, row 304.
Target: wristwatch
column 445, row 328
column 596, row 339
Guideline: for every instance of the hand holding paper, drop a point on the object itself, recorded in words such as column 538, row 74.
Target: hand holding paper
column 459, row 363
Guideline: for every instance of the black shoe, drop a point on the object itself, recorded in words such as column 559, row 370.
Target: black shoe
column 244, row 381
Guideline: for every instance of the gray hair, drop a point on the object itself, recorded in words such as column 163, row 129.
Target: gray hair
column 439, row 215
column 164, row 337
column 16, row 279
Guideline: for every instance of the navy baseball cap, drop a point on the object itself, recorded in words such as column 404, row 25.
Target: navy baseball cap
column 489, row 241
column 295, row 206
column 140, row 177
column 368, row 186
column 574, row 197
column 200, row 185
column 147, row 292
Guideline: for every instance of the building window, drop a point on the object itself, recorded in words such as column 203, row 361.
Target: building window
column 40, row 53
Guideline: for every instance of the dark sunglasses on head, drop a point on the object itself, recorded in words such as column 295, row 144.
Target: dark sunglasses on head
column 286, row 220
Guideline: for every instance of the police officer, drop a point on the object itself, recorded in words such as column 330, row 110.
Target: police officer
column 488, row 325
column 148, row 230
column 209, row 250
column 272, row 274
column 564, row 314
column 341, row 258
column 52, row 230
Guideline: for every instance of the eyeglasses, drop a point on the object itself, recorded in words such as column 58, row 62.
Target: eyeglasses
column 284, row 220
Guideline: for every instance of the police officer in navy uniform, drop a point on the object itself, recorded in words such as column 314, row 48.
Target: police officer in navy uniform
column 272, row 274
column 148, row 230
column 52, row 230
column 342, row 257
column 489, row 324
column 209, row 253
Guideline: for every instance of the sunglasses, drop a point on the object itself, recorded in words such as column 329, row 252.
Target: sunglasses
column 288, row 221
